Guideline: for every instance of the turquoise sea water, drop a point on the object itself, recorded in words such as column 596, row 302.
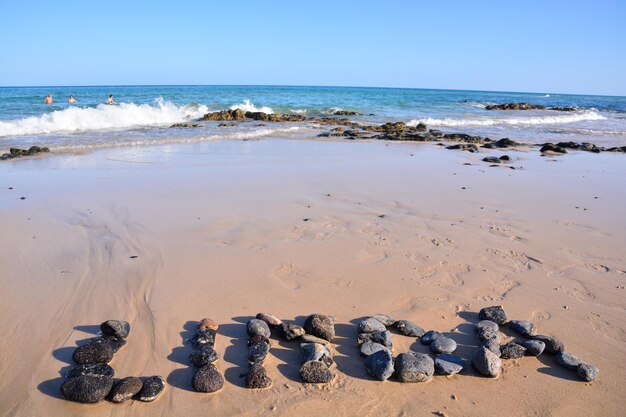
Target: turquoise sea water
column 144, row 114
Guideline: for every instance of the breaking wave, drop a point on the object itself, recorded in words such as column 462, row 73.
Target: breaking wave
column 124, row 115
column 248, row 106
column 538, row 120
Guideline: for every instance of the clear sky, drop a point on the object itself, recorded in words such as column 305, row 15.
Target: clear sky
column 540, row 46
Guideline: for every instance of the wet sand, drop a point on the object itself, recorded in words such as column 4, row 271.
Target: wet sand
column 218, row 230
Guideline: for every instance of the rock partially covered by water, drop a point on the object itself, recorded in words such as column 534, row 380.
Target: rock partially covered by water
column 315, row 372
column 223, row 115
column 203, row 355
column 448, row 364
column 384, row 338
column 371, row 325
column 185, row 125
column 207, row 379
column 486, row 362
column 125, row 389
column 270, row 319
column 291, row 331
column 523, row 327
column 430, row 336
column 88, row 389
column 443, row 345
column 587, row 372
column 90, row 369
column 153, row 387
column 118, row 329
column 493, row 313
column 533, row 347
column 568, row 360
column 256, row 327
column 408, row 328
column 414, row 367
column 275, row 117
column 553, row 345
column 513, row 350
column 321, row 326
column 379, row 365
column 515, row 106
column 345, row 113
column 257, row 377
column 315, row 352
column 369, row 348
column 17, row 152
column 98, row 351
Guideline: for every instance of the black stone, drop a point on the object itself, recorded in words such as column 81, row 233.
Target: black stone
column 125, row 389
column 315, row 372
column 153, row 386
column 258, row 351
column 371, row 325
column 368, row 348
column 315, row 352
column 533, row 347
column 568, row 360
column 90, row 369
column 409, row 328
column 587, row 372
column 290, row 331
column 553, row 345
column 99, row 351
column 379, row 365
column 448, row 364
column 207, row 379
column 321, row 326
column 486, row 362
column 203, row 355
column 204, row 337
column 443, row 345
column 494, row 313
column 87, row 389
column 384, row 338
column 430, row 336
column 258, row 327
column 414, row 367
column 118, row 329
column 257, row 377
column 512, row 350
column 523, row 327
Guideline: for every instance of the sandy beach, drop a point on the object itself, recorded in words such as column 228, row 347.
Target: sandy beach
column 163, row 236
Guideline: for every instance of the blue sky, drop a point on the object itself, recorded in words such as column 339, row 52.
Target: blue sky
column 540, row 46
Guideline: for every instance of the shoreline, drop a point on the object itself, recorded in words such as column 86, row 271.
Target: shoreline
column 218, row 230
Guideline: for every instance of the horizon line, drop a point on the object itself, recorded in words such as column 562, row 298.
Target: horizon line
column 310, row 86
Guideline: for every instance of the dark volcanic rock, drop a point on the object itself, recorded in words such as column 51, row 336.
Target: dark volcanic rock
column 116, row 344
column 550, row 147
column 470, row 147
column 87, row 389
column 379, row 365
column 125, row 389
column 533, row 347
column 270, row 319
column 90, row 369
column 430, row 337
column 207, row 379
column 486, row 362
column 186, row 125
column 385, row 319
column 505, row 158
column 568, row 360
column 307, row 338
column 409, row 328
column 315, row 372
column 153, row 386
column 505, row 143
column 17, row 152
column 257, row 377
column 345, row 113
column 523, row 327
column 258, row 327
column 463, row 137
column 587, row 372
column 203, row 355
column 512, row 350
column 258, row 351
column 494, row 313
column 494, row 346
column 515, row 106
column 483, row 325
column 489, row 334
column 291, row 331
column 448, row 364
column 118, row 329
column 204, row 337
column 491, row 159
column 384, row 338
column 553, row 345
column 369, row 348
column 275, row 117
column 95, row 352
column 414, row 367
column 443, row 345
column 321, row 326
column 371, row 325
column 561, row 108
column 315, row 352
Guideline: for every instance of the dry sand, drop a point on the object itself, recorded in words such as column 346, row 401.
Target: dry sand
column 218, row 230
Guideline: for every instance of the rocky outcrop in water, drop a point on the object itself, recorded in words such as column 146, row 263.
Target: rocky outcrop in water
column 18, row 152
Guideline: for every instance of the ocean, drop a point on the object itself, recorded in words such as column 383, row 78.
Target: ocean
column 144, row 114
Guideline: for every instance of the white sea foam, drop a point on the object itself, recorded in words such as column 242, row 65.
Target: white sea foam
column 298, row 111
column 248, row 106
column 512, row 121
column 124, row 115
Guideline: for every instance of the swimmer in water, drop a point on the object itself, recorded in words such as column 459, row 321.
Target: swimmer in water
column 48, row 99
column 110, row 100
column 72, row 100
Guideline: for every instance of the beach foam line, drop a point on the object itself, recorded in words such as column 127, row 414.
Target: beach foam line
column 538, row 120
column 124, row 115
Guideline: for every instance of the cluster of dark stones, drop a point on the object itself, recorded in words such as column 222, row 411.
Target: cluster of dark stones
column 186, row 125
column 17, row 152
column 376, row 346
column 487, row 358
column 92, row 380
column 526, row 106
column 207, row 377
column 562, row 147
column 259, row 345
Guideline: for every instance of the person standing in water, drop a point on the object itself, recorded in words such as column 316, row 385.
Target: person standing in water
column 110, row 100
column 48, row 99
column 72, row 100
